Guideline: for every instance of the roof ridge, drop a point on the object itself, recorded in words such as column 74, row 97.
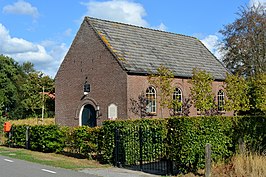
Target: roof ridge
column 88, row 17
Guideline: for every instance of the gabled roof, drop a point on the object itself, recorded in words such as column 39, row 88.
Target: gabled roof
column 141, row 50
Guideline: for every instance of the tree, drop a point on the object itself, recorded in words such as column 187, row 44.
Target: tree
column 201, row 91
column 244, row 42
column 31, row 92
column 162, row 80
column 258, row 93
column 9, row 71
column 237, row 97
column 139, row 107
column 21, row 87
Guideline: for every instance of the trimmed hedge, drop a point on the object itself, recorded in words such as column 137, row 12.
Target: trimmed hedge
column 44, row 138
column 129, row 130
column 252, row 131
column 84, row 140
column 187, row 137
column 184, row 139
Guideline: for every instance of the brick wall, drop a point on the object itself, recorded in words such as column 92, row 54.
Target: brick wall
column 88, row 59
column 139, row 84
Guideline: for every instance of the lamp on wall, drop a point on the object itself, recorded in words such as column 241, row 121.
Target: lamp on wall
column 86, row 88
column 98, row 114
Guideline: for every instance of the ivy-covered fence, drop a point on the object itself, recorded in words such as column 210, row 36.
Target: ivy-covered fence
column 183, row 137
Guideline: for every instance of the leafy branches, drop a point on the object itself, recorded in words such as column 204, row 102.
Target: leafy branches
column 201, row 91
column 237, row 98
column 21, row 87
column 162, row 80
column 244, row 42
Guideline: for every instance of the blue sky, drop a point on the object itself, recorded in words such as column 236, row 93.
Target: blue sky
column 42, row 31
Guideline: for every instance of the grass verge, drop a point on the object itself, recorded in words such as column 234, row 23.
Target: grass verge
column 51, row 159
column 33, row 121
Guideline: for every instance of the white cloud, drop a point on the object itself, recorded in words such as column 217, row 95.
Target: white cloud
column 45, row 56
column 257, row 2
column 124, row 11
column 117, row 10
column 161, row 27
column 212, row 43
column 21, row 7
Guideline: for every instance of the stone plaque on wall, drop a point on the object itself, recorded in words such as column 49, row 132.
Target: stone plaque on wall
column 112, row 112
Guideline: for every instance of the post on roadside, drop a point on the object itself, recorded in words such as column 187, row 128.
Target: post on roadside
column 208, row 160
column 27, row 138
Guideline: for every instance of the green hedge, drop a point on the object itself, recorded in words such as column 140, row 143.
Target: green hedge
column 252, row 131
column 129, row 133
column 84, row 140
column 188, row 136
column 183, row 138
column 44, row 138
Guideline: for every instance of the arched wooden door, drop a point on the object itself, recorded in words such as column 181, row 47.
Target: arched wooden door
column 88, row 116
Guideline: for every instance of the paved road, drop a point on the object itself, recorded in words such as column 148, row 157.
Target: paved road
column 10, row 167
column 18, row 168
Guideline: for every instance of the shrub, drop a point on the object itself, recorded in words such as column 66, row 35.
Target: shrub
column 251, row 131
column 187, row 137
column 44, row 138
column 152, row 130
column 84, row 140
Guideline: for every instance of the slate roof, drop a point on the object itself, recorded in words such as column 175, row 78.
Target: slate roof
column 141, row 50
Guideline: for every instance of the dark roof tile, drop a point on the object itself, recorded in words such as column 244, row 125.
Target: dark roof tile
column 143, row 50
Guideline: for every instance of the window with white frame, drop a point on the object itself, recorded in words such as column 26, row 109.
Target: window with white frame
column 177, row 100
column 220, row 100
column 151, row 100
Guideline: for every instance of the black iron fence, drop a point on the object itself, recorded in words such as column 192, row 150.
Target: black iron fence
column 143, row 149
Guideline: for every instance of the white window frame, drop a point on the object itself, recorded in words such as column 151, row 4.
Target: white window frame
column 151, row 100
column 178, row 95
column 220, row 100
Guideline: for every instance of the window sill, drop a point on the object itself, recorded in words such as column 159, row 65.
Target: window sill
column 151, row 114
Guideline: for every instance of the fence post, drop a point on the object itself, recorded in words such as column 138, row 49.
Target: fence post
column 27, row 138
column 140, row 149
column 208, row 160
column 9, row 139
column 117, row 161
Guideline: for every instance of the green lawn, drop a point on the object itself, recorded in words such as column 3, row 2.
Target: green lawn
column 52, row 159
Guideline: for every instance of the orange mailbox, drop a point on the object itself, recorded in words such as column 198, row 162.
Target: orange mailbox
column 7, row 126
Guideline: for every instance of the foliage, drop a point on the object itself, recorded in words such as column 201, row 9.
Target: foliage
column 180, row 139
column 251, row 130
column 139, row 106
column 84, row 140
column 31, row 89
column 129, row 132
column 258, row 93
column 244, row 42
column 20, row 89
column 9, row 71
column 201, row 91
column 162, row 80
column 44, row 138
column 188, row 136
column 237, row 98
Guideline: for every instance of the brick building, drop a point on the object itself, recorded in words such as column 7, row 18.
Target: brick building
column 107, row 65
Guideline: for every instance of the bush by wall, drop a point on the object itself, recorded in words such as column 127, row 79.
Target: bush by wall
column 252, row 132
column 44, row 138
column 83, row 140
column 184, row 139
column 187, row 137
column 129, row 138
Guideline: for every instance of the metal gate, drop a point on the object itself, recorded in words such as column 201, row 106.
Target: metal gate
column 143, row 149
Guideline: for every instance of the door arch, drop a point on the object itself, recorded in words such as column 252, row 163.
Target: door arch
column 88, row 116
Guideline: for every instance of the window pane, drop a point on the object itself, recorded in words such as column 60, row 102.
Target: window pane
column 220, row 100
column 151, row 100
column 177, row 98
